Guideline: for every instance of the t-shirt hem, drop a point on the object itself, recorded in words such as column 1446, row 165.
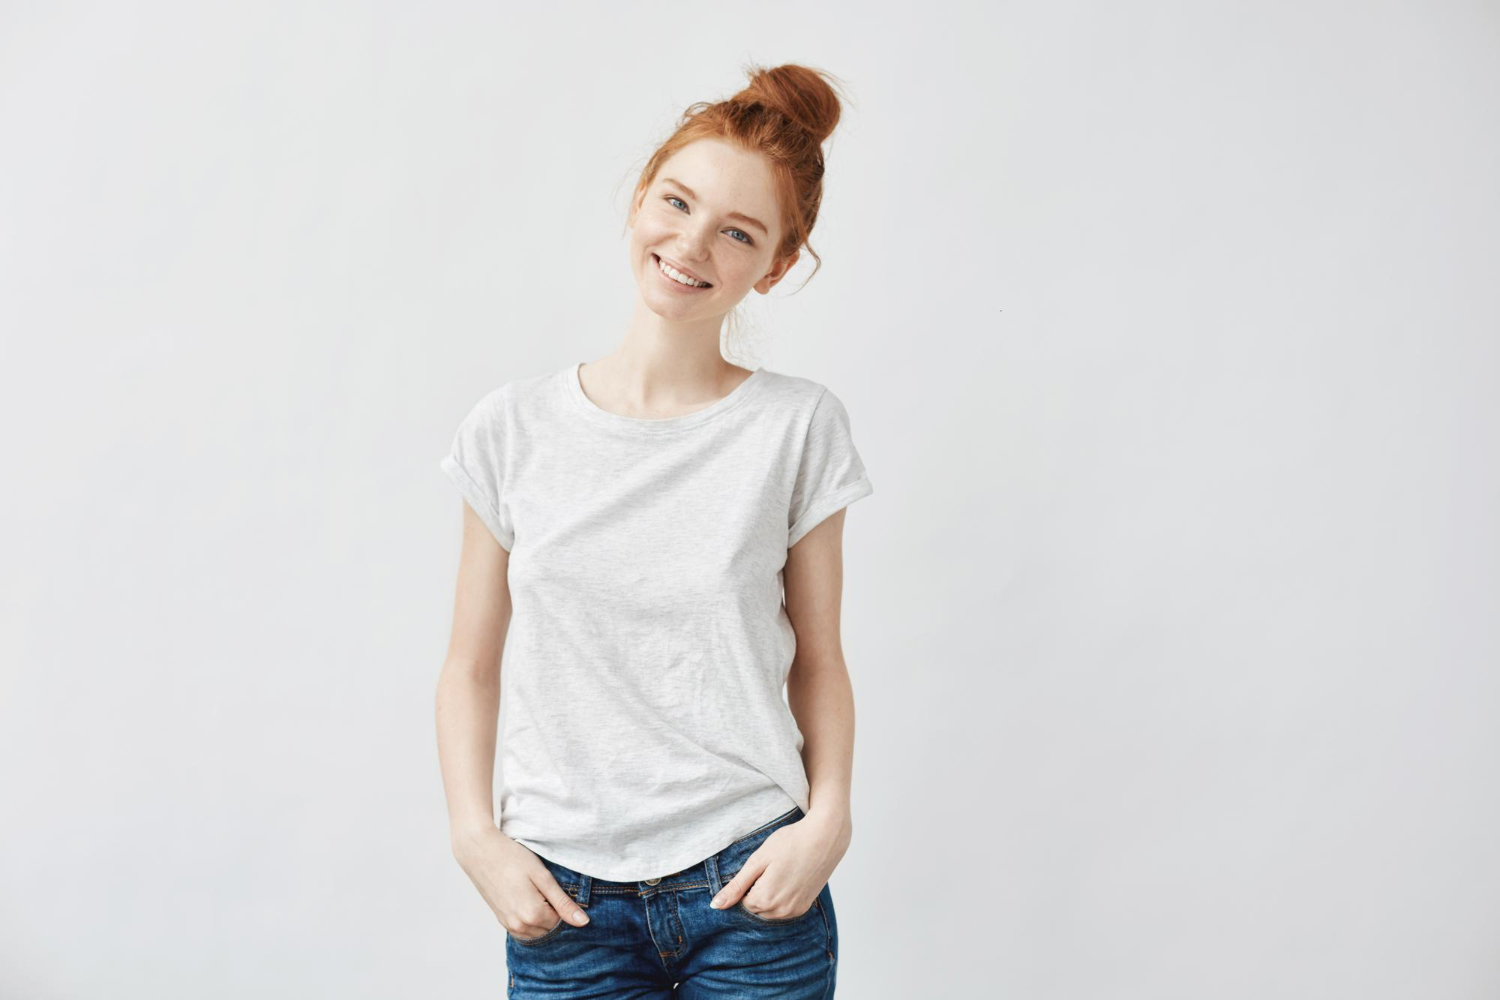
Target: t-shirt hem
column 827, row 505
column 688, row 857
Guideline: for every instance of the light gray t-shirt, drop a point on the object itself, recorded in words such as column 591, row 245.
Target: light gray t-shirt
column 643, row 723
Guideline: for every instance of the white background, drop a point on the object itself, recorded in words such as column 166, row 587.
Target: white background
column 1170, row 338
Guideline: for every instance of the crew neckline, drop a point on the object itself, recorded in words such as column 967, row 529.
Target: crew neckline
column 573, row 385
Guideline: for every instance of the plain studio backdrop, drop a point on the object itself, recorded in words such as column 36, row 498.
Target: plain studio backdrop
column 1170, row 338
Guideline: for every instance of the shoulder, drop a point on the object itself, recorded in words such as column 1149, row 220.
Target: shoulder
column 813, row 405
column 507, row 401
column 794, row 394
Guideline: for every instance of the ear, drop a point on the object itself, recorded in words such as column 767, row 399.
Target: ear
column 776, row 273
column 635, row 206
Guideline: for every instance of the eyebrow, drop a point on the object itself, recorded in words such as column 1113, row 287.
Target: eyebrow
column 733, row 215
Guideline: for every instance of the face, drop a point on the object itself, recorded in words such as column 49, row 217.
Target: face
column 711, row 214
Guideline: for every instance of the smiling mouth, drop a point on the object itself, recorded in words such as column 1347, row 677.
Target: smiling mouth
column 662, row 265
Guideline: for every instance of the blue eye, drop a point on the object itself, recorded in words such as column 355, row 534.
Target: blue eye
column 747, row 240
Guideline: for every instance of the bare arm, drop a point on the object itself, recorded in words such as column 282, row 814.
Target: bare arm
column 468, row 690
column 524, row 896
column 818, row 688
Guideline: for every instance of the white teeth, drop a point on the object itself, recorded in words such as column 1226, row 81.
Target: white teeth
column 677, row 275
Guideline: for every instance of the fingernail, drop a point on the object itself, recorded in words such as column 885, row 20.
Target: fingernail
column 581, row 916
column 714, row 902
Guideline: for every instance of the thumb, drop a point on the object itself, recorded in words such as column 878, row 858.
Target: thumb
column 737, row 886
column 562, row 902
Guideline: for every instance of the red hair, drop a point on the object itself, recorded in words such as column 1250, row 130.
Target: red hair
column 785, row 114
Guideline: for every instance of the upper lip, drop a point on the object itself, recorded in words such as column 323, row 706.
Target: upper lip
column 684, row 270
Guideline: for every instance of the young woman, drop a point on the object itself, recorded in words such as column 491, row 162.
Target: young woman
column 655, row 540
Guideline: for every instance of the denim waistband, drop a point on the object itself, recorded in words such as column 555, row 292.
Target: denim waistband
column 712, row 872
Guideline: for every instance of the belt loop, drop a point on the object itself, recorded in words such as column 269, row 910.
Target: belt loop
column 585, row 882
column 713, row 876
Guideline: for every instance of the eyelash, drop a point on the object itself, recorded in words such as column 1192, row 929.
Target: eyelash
column 747, row 240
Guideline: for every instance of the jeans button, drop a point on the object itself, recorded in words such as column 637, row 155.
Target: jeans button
column 652, row 881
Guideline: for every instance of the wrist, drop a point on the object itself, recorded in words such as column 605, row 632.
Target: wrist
column 463, row 836
column 831, row 819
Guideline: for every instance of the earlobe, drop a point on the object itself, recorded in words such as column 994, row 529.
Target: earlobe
column 764, row 285
column 777, row 273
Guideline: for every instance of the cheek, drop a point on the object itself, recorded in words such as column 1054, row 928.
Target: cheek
column 738, row 273
column 657, row 217
column 648, row 232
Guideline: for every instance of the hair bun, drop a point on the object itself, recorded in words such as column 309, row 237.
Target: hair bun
column 800, row 94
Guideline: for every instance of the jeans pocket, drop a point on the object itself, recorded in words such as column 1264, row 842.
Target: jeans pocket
column 566, row 879
column 538, row 940
column 776, row 921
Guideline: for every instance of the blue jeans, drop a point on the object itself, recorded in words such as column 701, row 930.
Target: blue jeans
column 663, row 940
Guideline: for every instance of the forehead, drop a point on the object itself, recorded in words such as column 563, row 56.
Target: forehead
column 725, row 176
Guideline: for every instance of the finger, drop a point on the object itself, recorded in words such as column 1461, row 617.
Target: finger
column 737, row 886
column 562, row 902
column 784, row 910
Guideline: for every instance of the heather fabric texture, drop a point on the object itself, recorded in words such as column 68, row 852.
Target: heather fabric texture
column 643, row 723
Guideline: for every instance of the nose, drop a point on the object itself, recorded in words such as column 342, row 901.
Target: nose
column 693, row 242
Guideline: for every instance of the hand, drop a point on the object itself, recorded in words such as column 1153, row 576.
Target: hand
column 519, row 889
column 784, row 875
